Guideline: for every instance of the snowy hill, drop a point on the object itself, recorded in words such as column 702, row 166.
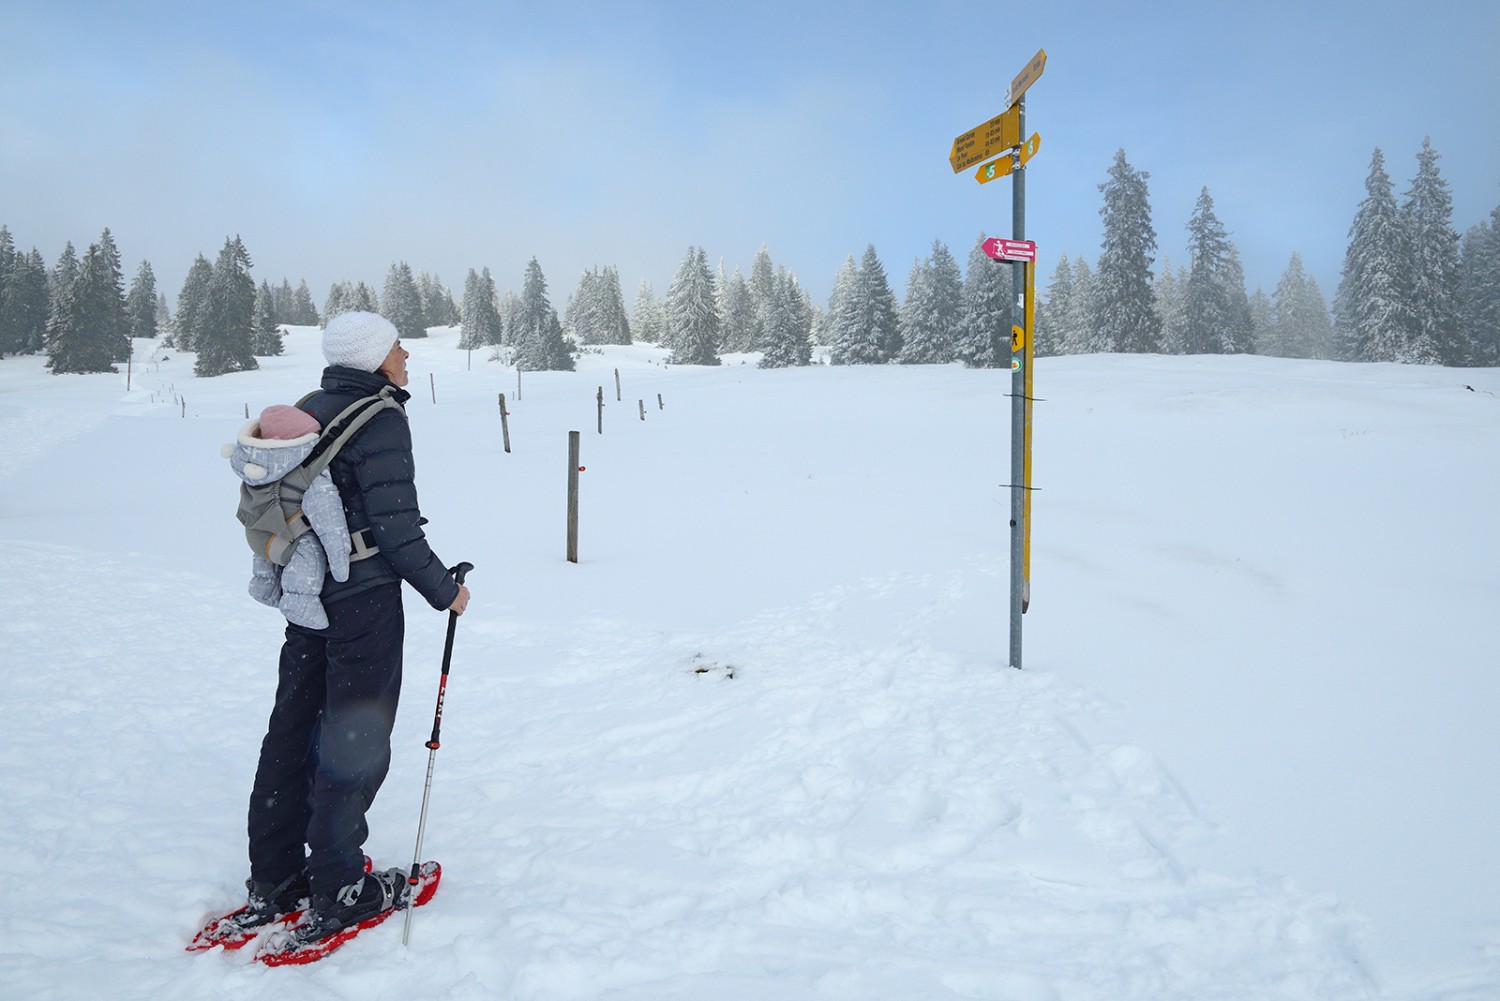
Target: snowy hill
column 759, row 743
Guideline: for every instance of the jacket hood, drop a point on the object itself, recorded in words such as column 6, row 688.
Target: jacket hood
column 258, row 460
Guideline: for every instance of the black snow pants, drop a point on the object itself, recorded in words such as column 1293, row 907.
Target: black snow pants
column 328, row 744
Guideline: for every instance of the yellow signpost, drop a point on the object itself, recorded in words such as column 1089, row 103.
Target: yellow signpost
column 984, row 141
column 1003, row 135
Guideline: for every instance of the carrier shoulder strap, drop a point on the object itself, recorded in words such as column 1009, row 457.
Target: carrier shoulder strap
column 345, row 426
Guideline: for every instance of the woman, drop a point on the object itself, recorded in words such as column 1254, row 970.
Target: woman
column 327, row 746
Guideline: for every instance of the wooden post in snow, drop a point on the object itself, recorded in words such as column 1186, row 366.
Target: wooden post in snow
column 504, row 423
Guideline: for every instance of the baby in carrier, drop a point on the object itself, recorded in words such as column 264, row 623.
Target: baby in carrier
column 265, row 450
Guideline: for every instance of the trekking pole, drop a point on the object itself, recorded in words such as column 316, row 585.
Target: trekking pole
column 432, row 745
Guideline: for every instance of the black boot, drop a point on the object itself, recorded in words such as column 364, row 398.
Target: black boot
column 269, row 901
column 368, row 896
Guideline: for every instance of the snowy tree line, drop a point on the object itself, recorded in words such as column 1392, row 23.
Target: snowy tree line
column 1411, row 290
column 80, row 315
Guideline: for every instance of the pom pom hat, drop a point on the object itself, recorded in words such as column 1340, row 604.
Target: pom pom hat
column 358, row 340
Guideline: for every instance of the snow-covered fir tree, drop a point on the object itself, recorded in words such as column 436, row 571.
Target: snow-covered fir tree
column 868, row 331
column 364, row 298
column 740, row 323
column 1125, row 316
column 596, row 311
column 881, row 313
column 648, row 317
column 1479, row 291
column 1262, row 317
column 479, row 316
column 539, row 341
column 438, row 308
column 510, row 313
column 117, row 330
column 692, row 313
column 838, row 330
column 1427, row 218
column 281, row 301
column 63, row 274
column 1051, row 310
column 24, row 313
column 613, row 319
column 79, row 337
column 1084, row 333
column 929, row 317
column 163, row 314
column 225, row 339
column 1372, row 308
column 340, row 300
column 985, row 315
column 578, row 318
column 762, row 285
column 7, row 265
column 7, row 257
column 268, row 341
column 401, row 303
column 1171, row 306
column 304, row 313
column 1206, row 309
column 1300, row 325
column 191, row 299
column 787, row 338
column 1239, row 336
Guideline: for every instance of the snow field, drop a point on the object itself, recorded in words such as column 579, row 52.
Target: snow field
column 759, row 741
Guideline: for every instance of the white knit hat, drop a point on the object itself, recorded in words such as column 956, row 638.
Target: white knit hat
column 358, row 340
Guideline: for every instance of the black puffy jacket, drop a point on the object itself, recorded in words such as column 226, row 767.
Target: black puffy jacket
column 374, row 473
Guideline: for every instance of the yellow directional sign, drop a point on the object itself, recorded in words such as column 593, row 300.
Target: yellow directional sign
column 1003, row 166
column 1029, row 149
column 1026, row 77
column 1017, row 339
column 982, row 142
column 1000, row 168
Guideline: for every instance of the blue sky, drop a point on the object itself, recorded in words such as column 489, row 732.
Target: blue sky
column 336, row 138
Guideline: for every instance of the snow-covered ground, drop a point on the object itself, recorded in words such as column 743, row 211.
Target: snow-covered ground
column 761, row 742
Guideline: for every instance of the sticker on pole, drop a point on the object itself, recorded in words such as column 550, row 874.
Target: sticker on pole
column 1010, row 250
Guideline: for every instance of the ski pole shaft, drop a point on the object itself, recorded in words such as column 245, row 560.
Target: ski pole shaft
column 459, row 572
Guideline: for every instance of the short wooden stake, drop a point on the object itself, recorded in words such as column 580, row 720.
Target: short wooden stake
column 601, row 409
column 617, row 385
column 432, row 380
column 659, row 404
column 642, row 404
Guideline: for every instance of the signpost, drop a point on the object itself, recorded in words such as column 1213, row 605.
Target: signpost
column 1000, row 135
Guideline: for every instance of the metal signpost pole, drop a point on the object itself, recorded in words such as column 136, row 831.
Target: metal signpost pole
column 985, row 141
column 1017, row 398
